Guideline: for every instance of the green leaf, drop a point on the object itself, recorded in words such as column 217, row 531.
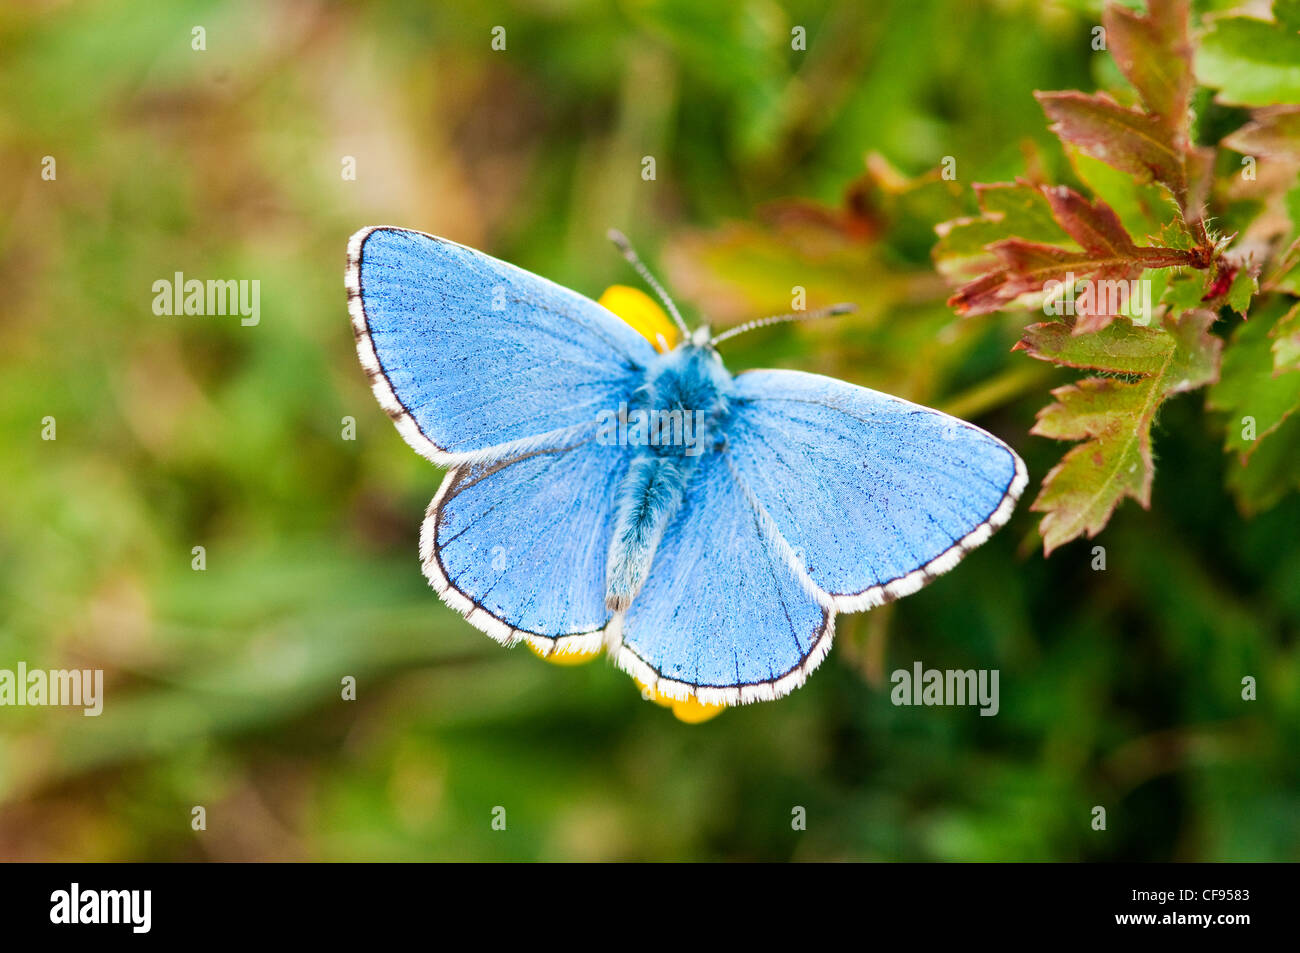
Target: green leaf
column 1242, row 291
column 1286, row 342
column 1120, row 349
column 1287, row 13
column 1144, row 208
column 1271, row 472
column 1252, row 62
column 1184, row 292
column 1111, row 416
column 1255, row 396
column 1008, row 209
column 1286, row 270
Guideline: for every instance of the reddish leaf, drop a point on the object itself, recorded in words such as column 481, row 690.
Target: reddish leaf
column 1271, row 132
column 1154, row 52
column 1108, row 254
column 1132, row 141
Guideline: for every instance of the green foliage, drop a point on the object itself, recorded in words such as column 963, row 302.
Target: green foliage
column 1253, row 62
column 1112, row 416
column 1260, row 393
column 1192, row 271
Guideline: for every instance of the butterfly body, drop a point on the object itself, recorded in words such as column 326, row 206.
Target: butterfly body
column 705, row 529
column 681, row 408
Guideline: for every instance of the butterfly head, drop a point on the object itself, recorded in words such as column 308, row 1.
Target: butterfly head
column 701, row 337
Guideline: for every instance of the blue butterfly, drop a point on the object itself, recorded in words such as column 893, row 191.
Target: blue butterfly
column 703, row 528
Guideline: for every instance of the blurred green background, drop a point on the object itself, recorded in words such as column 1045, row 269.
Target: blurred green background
column 1119, row 688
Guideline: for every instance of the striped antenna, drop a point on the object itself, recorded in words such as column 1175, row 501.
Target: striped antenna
column 830, row 312
column 620, row 241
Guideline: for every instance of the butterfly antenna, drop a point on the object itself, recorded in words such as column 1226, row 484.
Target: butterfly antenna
column 623, row 245
column 830, row 312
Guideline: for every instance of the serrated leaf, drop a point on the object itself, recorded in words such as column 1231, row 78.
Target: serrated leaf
column 1145, row 209
column 1128, row 139
column 1154, row 53
column 1108, row 254
column 1286, row 271
column 1252, row 62
column 1112, row 416
column 1184, row 292
column 1174, row 235
column 1007, row 209
column 1255, row 397
column 1119, row 349
column 1261, row 403
column 1242, row 291
column 1152, row 144
column 1271, row 472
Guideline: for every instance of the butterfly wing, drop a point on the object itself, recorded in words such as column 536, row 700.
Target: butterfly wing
column 519, row 545
column 876, row 495
column 500, row 374
column 474, row 358
column 725, row 615
column 825, row 498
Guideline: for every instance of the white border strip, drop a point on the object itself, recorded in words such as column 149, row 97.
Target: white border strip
column 379, row 383
column 628, row 661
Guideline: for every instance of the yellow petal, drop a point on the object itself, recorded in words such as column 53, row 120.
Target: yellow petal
column 565, row 658
column 652, row 696
column 642, row 312
column 690, row 711
column 694, row 713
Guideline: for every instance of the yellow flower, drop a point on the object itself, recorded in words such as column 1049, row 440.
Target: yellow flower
column 565, row 658
column 694, row 713
column 690, row 711
column 640, row 311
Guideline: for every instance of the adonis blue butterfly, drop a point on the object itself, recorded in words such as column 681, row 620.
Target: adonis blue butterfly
column 704, row 528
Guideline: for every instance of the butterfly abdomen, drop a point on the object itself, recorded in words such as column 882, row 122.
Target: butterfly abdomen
column 648, row 499
column 682, row 402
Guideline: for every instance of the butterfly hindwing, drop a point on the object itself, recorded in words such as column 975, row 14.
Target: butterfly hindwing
column 468, row 353
column 519, row 545
column 724, row 616
column 877, row 495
